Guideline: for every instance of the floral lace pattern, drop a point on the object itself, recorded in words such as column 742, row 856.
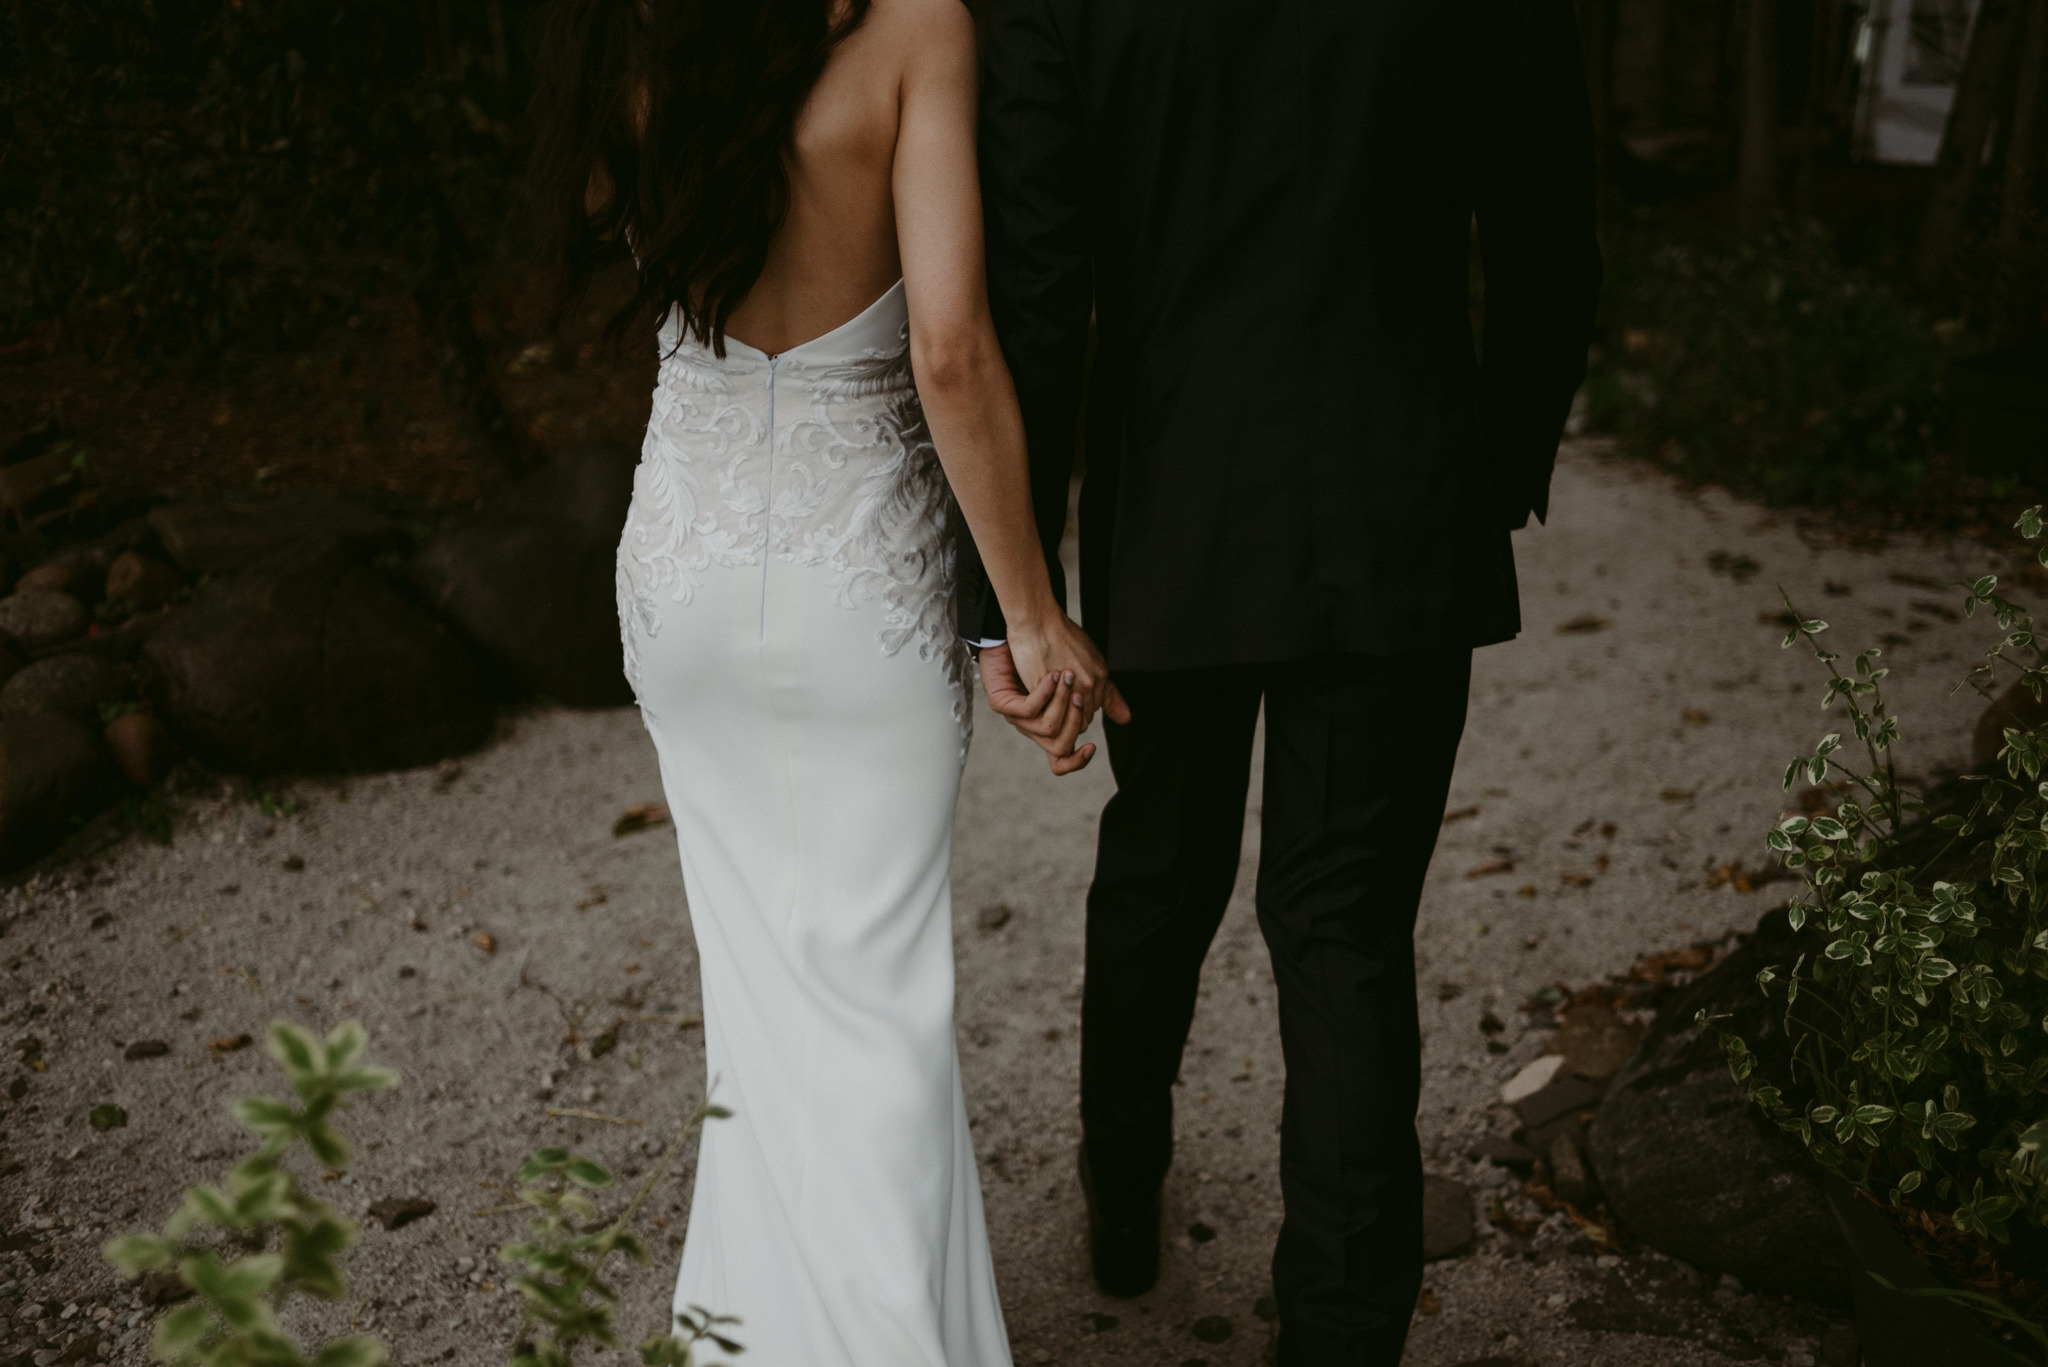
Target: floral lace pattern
column 822, row 461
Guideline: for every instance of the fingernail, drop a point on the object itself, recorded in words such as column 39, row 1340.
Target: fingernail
column 1068, row 677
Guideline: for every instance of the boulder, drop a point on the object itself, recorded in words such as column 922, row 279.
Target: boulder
column 532, row 580
column 42, row 617
column 53, row 773
column 25, row 481
column 214, row 538
column 72, row 573
column 2015, row 707
column 314, row 660
column 1691, row 1168
column 142, row 580
column 81, row 570
column 75, row 685
column 12, row 659
column 141, row 748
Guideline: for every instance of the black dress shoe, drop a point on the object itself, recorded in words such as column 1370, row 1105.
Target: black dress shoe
column 1123, row 1242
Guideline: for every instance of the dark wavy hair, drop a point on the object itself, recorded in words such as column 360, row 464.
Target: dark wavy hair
column 700, row 189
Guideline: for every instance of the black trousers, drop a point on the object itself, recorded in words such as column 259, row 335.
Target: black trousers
column 1359, row 751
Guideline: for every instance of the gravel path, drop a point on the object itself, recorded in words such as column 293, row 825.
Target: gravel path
column 516, row 961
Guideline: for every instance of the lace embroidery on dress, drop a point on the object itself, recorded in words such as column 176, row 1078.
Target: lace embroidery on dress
column 854, row 487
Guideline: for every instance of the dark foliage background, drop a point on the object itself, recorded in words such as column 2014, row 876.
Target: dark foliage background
column 206, row 171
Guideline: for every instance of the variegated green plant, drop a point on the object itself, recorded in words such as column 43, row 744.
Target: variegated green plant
column 291, row 1243
column 564, row 1294
column 293, row 1240
column 1918, row 1017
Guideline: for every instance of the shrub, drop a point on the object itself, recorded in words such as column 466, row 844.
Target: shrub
column 291, row 1242
column 1772, row 368
column 1916, row 1015
column 232, row 1319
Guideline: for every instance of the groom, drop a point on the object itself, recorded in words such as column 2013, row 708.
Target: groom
column 1300, row 485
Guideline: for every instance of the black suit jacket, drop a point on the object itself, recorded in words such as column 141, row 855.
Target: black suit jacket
column 1267, row 206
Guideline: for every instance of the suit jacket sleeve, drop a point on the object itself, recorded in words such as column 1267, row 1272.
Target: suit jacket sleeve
column 1535, row 211
column 1040, row 270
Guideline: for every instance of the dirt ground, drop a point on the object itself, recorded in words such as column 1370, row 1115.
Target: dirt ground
column 532, row 975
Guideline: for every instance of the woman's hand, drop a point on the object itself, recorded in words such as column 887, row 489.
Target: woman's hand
column 1071, row 683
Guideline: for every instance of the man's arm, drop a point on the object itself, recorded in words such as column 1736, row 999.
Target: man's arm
column 1040, row 273
column 1535, row 206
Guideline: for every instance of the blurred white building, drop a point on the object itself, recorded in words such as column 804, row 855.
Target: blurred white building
column 1911, row 52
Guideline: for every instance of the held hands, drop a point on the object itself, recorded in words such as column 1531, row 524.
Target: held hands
column 1073, row 684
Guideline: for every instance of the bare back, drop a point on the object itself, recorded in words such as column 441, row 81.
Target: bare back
column 837, row 250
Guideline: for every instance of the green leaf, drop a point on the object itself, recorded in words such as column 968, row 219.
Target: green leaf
column 585, row 1173
column 180, row 1331
column 360, row 1350
column 293, row 1047
column 135, row 1254
column 345, row 1044
column 327, row 1145
column 265, row 1114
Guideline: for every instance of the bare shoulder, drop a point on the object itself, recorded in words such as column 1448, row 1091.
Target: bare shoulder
column 928, row 35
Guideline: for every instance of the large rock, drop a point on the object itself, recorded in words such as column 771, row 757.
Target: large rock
column 532, row 579
column 13, row 659
column 75, row 685
column 314, row 661
column 1691, row 1168
column 53, row 773
column 81, row 570
column 142, row 580
column 42, row 617
column 214, row 538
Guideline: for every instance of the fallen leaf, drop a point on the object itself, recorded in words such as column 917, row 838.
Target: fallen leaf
column 396, row 1212
column 1577, row 880
column 1461, row 814
column 146, row 1048
column 1693, row 716
column 1657, row 968
column 1526, row 890
column 1777, row 617
column 1427, row 1302
column 227, row 1044
column 1733, row 875
column 1676, row 794
column 639, row 819
column 107, row 1117
column 1603, row 862
column 1489, row 867
column 487, row 942
column 1585, row 624
column 1500, row 1219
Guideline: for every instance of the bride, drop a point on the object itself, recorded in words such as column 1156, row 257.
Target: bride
column 797, row 182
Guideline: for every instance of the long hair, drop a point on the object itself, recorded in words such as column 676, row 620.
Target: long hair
column 662, row 125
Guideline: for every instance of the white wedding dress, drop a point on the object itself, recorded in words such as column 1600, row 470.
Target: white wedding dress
column 785, row 595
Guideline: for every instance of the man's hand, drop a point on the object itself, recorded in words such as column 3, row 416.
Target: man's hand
column 1049, row 713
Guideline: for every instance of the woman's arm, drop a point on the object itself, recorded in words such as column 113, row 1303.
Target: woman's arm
column 966, row 389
